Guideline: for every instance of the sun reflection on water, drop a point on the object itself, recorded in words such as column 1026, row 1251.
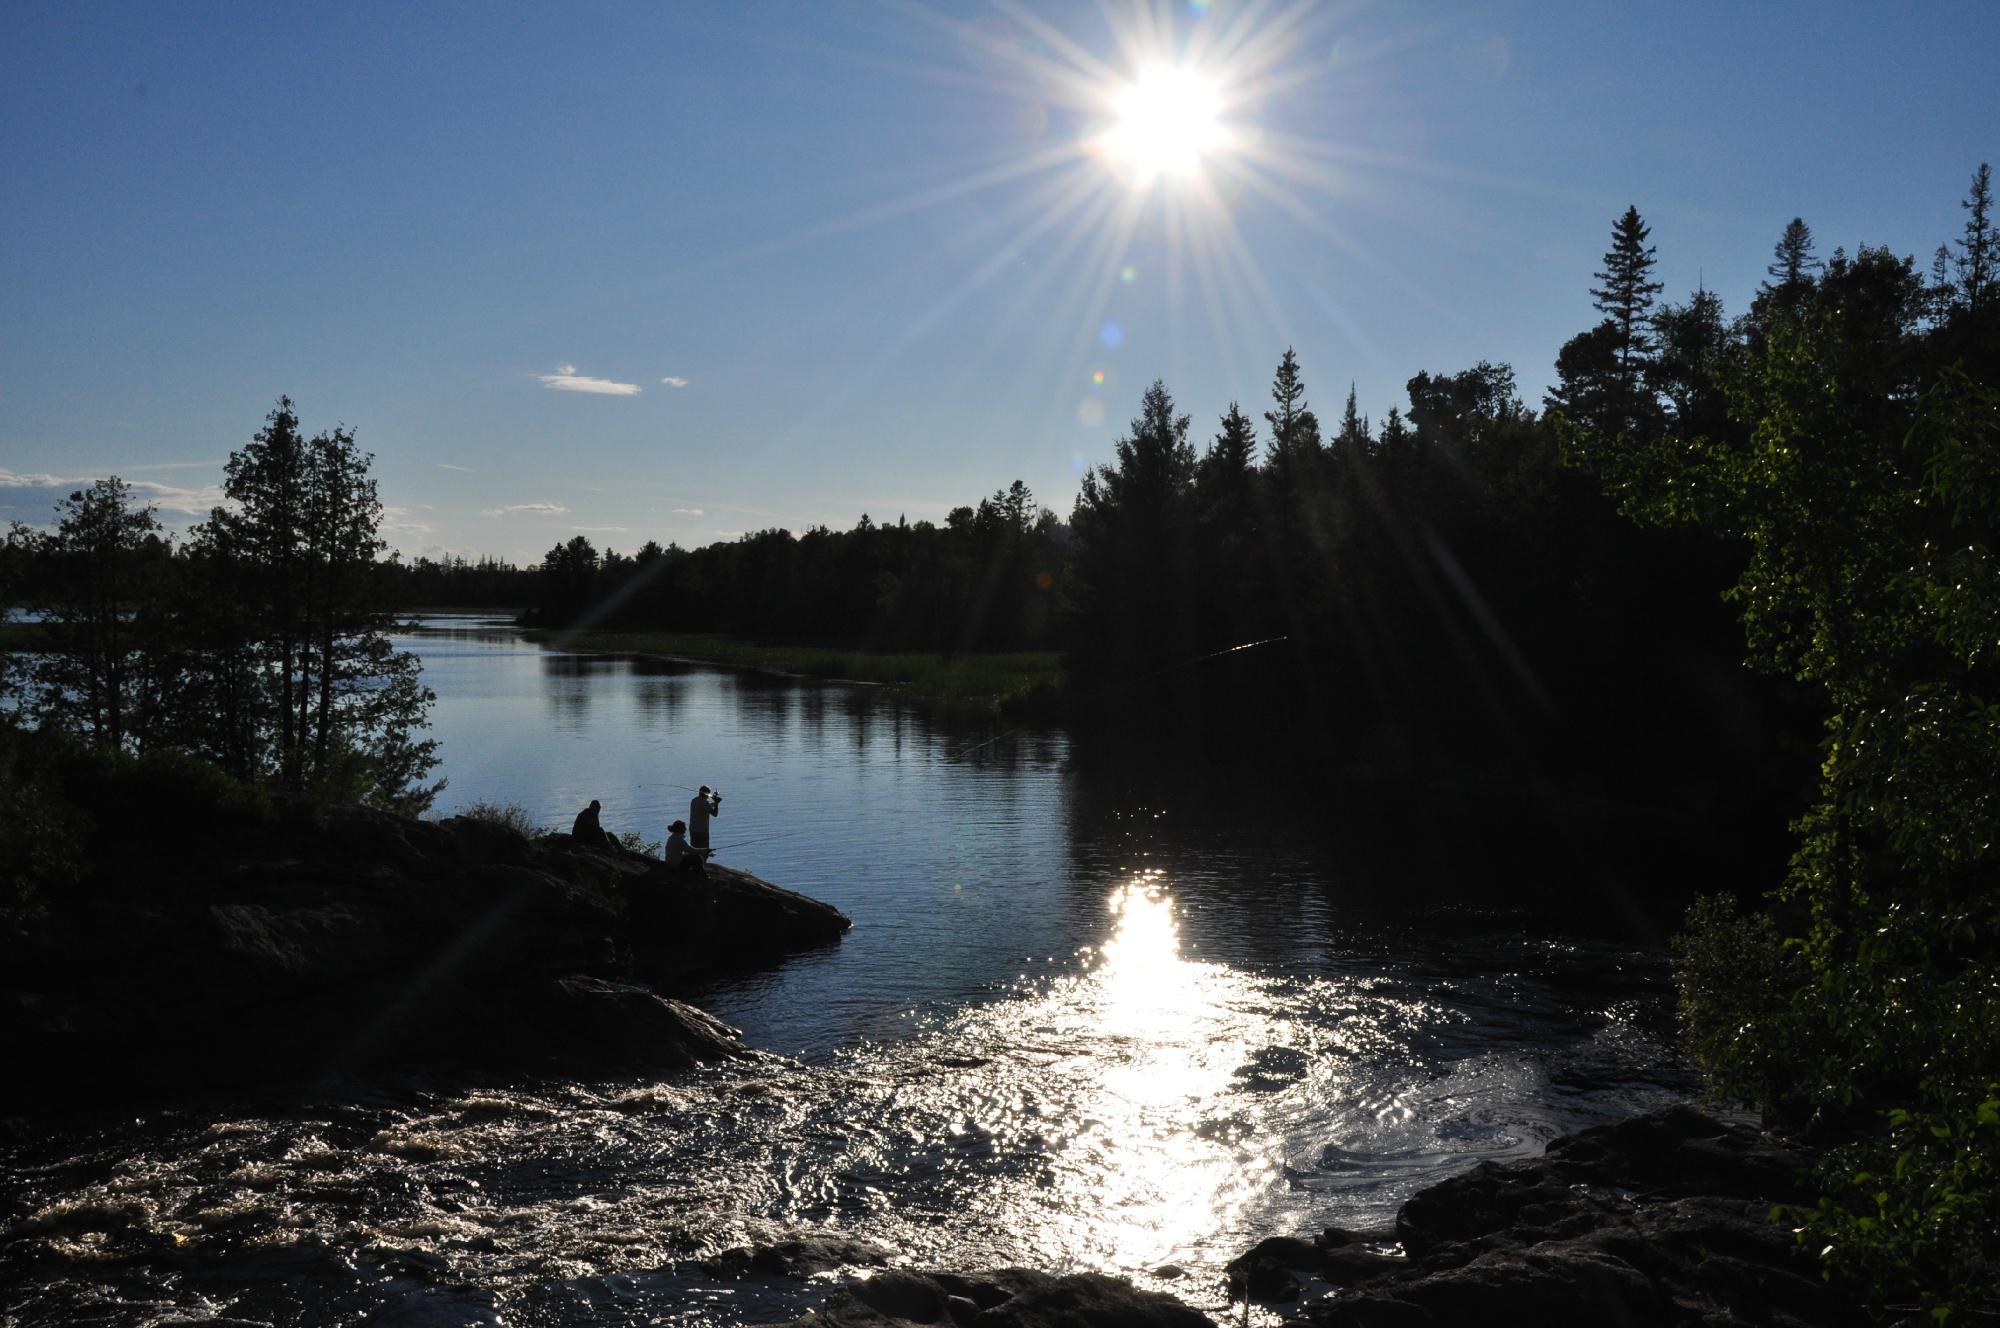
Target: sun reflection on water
column 1156, row 1040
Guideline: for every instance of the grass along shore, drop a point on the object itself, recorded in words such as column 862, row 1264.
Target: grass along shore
column 1011, row 680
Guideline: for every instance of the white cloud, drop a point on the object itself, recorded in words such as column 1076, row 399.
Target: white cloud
column 400, row 519
column 567, row 379
column 463, row 470
column 175, row 499
column 689, row 511
column 604, row 530
column 526, row 509
column 172, row 498
column 672, row 380
column 11, row 480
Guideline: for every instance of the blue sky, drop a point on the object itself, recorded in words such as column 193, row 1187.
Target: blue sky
column 677, row 272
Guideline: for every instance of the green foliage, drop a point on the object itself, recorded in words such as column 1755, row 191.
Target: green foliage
column 632, row 841
column 41, row 834
column 509, row 814
column 1858, row 471
column 1734, row 975
column 1913, row 1207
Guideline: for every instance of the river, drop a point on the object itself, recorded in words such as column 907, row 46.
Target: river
column 1071, row 1028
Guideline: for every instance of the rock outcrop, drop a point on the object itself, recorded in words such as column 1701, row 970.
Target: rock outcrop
column 1661, row 1219
column 1007, row 1298
column 314, row 943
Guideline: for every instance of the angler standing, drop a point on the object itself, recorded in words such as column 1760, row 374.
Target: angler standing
column 705, row 805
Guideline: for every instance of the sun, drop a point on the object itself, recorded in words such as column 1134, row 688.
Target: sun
column 1166, row 122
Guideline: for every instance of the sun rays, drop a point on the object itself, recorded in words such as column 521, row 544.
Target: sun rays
column 1130, row 156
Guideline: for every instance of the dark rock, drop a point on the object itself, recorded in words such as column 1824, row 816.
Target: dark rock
column 314, row 942
column 1008, row 1298
column 691, row 926
column 798, row 1256
column 1265, row 1272
column 906, row 1296
column 589, row 1021
column 1661, row 1219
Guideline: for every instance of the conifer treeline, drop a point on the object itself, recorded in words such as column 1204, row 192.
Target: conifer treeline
column 985, row 580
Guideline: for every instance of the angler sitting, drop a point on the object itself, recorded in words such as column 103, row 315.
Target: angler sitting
column 587, row 833
column 680, row 856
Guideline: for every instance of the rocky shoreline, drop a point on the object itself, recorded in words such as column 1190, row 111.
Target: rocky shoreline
column 314, row 943
column 1663, row 1219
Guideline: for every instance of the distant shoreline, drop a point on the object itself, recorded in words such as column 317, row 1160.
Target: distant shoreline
column 1019, row 682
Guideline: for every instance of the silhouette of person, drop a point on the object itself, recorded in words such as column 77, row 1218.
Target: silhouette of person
column 679, row 855
column 705, row 805
column 586, row 830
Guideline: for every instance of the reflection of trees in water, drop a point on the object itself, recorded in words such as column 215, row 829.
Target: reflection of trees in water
column 658, row 698
column 570, row 680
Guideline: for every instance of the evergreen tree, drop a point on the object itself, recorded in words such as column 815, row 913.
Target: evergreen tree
column 1295, row 440
column 301, row 544
column 100, row 570
column 1130, row 565
column 1978, row 250
column 1792, row 261
column 1624, row 295
column 1354, row 439
column 1695, row 343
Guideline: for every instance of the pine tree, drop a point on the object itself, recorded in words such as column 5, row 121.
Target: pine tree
column 1979, row 250
column 1625, row 293
column 99, row 569
column 299, row 547
column 1354, row 438
column 1792, row 261
column 1294, row 428
column 1230, row 460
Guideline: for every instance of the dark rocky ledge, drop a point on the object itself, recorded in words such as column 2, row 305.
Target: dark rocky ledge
column 1661, row 1219
column 315, row 944
column 1006, row 1298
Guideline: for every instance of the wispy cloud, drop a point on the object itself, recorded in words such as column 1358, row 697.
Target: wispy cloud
column 604, row 530
column 13, row 480
column 402, row 519
column 673, row 380
column 526, row 509
column 463, row 470
column 174, row 499
column 689, row 511
column 567, row 379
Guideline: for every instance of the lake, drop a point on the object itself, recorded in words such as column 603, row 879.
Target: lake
column 1076, row 1025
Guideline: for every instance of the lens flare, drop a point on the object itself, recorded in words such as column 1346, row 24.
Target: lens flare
column 1167, row 122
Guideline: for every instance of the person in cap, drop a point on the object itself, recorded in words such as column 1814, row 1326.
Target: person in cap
column 705, row 805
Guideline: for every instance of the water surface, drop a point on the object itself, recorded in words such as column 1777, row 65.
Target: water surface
column 1070, row 1029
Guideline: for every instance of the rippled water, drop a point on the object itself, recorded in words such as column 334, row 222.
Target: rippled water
column 1068, row 1030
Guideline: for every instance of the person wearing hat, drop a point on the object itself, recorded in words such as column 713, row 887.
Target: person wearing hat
column 679, row 856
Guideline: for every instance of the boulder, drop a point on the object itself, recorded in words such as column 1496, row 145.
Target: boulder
column 797, row 1256
column 1007, row 1298
column 684, row 927
column 1661, row 1219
